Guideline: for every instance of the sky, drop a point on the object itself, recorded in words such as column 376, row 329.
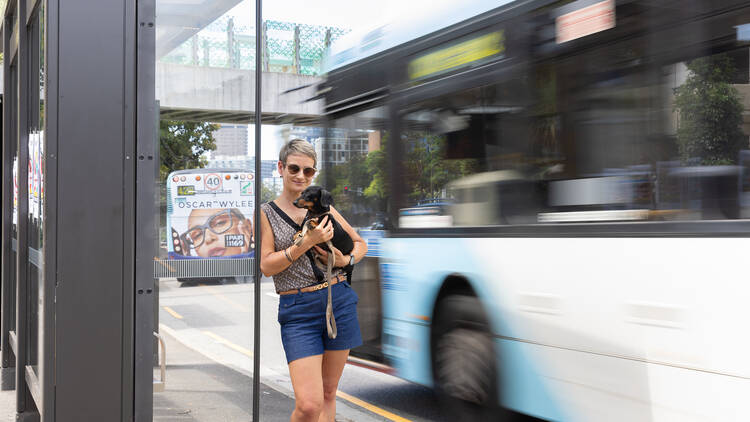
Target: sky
column 350, row 14
column 272, row 141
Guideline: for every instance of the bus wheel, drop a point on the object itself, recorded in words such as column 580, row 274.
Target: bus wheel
column 464, row 360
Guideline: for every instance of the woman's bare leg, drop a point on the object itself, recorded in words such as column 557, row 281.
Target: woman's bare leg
column 333, row 366
column 307, row 381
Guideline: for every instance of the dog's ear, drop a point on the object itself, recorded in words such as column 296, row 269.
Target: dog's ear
column 326, row 199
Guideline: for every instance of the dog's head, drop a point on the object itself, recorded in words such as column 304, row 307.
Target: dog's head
column 315, row 199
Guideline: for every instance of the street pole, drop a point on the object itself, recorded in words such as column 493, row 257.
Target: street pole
column 256, row 225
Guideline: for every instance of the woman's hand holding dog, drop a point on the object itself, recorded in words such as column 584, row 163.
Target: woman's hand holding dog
column 339, row 260
column 320, row 234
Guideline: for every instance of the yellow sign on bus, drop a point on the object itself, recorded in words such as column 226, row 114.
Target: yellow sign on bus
column 457, row 55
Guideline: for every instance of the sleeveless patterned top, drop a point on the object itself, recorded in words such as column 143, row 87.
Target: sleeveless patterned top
column 303, row 272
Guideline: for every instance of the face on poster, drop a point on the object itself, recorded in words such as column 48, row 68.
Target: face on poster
column 210, row 213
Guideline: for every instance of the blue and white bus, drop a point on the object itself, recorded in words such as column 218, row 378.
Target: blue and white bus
column 588, row 257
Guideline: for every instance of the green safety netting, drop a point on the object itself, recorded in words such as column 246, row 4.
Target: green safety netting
column 288, row 47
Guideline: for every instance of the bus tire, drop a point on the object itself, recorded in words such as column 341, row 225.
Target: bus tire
column 464, row 361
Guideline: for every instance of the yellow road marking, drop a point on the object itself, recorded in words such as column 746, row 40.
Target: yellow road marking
column 225, row 299
column 229, row 344
column 374, row 409
column 172, row 312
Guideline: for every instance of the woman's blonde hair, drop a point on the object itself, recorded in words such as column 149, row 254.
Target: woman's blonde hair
column 298, row 146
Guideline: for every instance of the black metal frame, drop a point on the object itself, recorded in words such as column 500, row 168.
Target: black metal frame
column 47, row 338
column 25, row 406
column 256, row 226
column 7, row 295
column 110, row 352
column 87, row 347
column 145, row 223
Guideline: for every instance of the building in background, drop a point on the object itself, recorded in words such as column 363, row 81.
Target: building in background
column 231, row 140
column 269, row 175
column 267, row 167
column 339, row 147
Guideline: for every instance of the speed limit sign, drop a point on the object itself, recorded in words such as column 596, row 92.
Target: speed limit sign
column 212, row 181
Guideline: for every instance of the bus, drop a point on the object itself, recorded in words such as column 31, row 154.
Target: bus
column 209, row 219
column 587, row 259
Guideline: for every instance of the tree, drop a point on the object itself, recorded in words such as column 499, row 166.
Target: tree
column 352, row 186
column 428, row 170
column 378, row 188
column 710, row 112
column 182, row 145
column 348, row 179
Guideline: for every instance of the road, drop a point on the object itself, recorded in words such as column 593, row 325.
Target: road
column 216, row 322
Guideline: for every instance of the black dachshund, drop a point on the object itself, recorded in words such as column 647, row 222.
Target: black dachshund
column 318, row 203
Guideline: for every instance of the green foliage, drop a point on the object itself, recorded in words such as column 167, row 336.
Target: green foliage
column 366, row 181
column 710, row 112
column 182, row 145
column 376, row 163
column 428, row 170
column 350, row 179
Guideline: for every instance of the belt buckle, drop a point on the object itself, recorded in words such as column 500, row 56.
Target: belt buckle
column 321, row 285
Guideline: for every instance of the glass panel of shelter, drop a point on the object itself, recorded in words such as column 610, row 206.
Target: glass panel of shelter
column 35, row 195
column 203, row 272
column 208, row 169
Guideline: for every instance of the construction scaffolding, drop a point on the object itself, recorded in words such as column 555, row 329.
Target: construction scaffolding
column 287, row 47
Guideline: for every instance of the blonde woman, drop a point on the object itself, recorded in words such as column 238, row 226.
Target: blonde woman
column 315, row 360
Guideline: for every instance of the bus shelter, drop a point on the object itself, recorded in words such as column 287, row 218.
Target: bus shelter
column 80, row 207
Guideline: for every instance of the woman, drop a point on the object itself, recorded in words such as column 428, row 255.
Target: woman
column 315, row 360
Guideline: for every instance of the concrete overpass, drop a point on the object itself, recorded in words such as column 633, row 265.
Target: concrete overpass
column 178, row 20
column 216, row 94
column 205, row 64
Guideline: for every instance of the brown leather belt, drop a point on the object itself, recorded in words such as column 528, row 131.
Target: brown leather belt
column 315, row 287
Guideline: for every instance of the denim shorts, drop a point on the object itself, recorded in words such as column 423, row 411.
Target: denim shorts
column 303, row 321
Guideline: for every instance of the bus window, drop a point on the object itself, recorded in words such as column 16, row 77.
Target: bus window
column 471, row 151
column 591, row 138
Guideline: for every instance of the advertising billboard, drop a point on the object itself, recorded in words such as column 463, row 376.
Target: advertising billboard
column 209, row 214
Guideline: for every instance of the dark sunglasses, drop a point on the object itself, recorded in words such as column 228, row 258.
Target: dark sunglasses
column 307, row 171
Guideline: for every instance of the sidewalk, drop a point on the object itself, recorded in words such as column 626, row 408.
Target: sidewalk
column 199, row 389
column 8, row 406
